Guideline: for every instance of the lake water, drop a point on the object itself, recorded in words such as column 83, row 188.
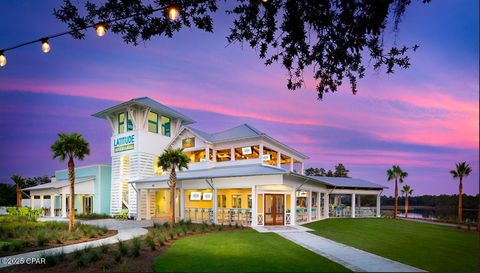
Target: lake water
column 449, row 214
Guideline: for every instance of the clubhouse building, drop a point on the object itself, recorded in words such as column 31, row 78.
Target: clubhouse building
column 237, row 176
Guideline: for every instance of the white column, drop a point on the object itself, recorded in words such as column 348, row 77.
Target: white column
column 52, row 205
column 207, row 154
column 378, row 205
column 260, row 155
column 309, row 206
column 214, row 157
column 291, row 164
column 353, row 205
column 148, row 205
column 279, row 159
column 32, row 201
column 319, row 194
column 325, row 205
column 254, row 202
column 302, row 169
column 232, row 154
column 215, row 206
column 42, row 204
column 182, row 203
column 138, row 204
column 293, row 205
column 64, row 205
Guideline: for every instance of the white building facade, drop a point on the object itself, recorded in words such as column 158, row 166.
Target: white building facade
column 237, row 176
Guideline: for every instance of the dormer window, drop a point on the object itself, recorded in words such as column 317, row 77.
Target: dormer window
column 129, row 123
column 153, row 122
column 165, row 126
column 121, row 123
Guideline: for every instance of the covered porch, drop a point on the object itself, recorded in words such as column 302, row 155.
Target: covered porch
column 54, row 197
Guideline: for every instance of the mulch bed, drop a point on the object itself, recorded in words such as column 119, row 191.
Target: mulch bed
column 107, row 262
column 53, row 245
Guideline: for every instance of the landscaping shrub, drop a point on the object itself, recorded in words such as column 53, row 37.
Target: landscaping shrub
column 92, row 216
column 135, row 248
column 42, row 238
column 171, row 233
column 104, row 248
column 122, row 247
column 150, row 241
column 161, row 239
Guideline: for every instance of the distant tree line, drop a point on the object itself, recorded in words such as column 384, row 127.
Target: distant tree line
column 436, row 201
column 8, row 193
column 340, row 171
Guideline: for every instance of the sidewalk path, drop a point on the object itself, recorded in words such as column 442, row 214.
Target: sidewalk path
column 350, row 257
column 126, row 230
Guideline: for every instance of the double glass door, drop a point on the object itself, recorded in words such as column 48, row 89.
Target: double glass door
column 274, row 209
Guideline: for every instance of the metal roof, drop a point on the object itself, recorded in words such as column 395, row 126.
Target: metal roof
column 217, row 172
column 148, row 102
column 59, row 184
column 237, row 133
column 346, row 182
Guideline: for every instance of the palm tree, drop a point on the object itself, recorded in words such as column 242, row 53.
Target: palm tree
column 397, row 174
column 19, row 183
column 407, row 191
column 462, row 169
column 70, row 146
column 170, row 161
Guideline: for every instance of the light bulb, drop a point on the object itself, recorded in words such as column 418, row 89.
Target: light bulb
column 45, row 46
column 173, row 13
column 3, row 59
column 100, row 30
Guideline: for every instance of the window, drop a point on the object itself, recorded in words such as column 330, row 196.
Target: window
column 269, row 156
column 236, row 201
column 247, row 152
column 222, row 201
column 249, row 201
column 165, row 126
column 196, row 156
column 153, row 122
column 223, row 155
column 129, row 123
column 121, row 123
column 188, row 142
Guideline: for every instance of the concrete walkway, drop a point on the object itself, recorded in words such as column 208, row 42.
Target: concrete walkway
column 350, row 257
column 126, row 230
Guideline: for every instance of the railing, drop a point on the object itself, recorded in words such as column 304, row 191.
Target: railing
column 365, row 212
column 301, row 215
column 225, row 216
column 260, row 219
column 314, row 213
column 288, row 217
column 340, row 212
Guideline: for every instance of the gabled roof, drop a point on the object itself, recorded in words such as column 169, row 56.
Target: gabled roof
column 346, row 182
column 243, row 131
column 147, row 102
column 59, row 183
column 217, row 172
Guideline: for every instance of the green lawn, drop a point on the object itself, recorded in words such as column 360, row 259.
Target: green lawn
column 430, row 247
column 241, row 251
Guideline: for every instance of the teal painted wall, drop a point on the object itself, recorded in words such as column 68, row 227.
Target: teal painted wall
column 101, row 197
column 105, row 188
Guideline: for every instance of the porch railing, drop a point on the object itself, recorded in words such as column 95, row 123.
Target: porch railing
column 225, row 216
column 365, row 212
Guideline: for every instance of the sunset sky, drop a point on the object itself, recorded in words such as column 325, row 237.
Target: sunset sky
column 425, row 118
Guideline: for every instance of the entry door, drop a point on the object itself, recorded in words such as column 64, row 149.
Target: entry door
column 274, row 209
column 87, row 204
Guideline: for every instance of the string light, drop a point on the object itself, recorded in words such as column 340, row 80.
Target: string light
column 3, row 59
column 100, row 29
column 173, row 12
column 45, row 45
